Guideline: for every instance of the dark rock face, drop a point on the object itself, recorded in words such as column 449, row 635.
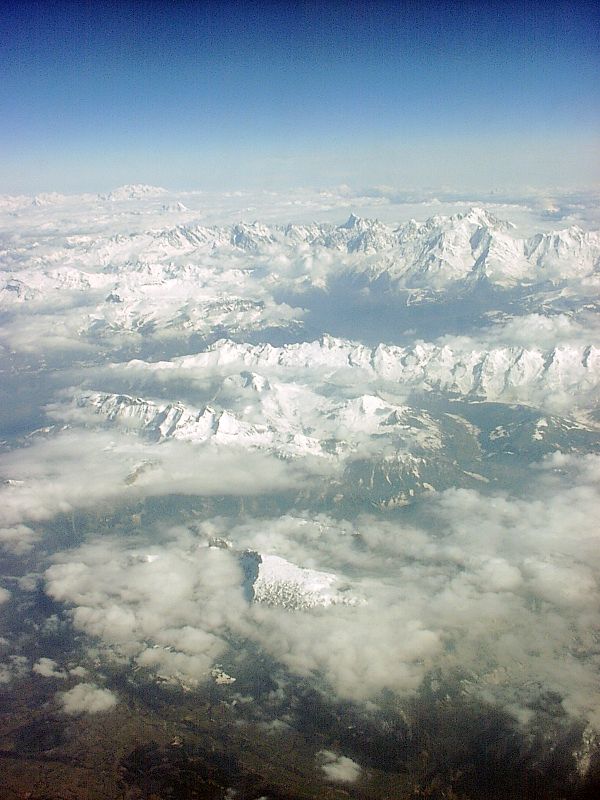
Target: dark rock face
column 249, row 561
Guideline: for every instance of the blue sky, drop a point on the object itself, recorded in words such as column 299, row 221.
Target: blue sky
column 264, row 95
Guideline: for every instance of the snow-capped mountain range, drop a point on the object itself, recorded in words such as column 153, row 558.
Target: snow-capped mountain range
column 380, row 422
column 435, row 254
column 290, row 420
column 137, row 289
column 509, row 374
column 374, row 444
column 232, row 306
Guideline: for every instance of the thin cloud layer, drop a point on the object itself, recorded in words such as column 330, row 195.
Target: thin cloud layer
column 78, row 469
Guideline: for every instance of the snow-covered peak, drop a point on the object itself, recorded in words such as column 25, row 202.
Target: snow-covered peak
column 571, row 252
column 281, row 583
column 437, row 255
column 483, row 218
column 353, row 223
column 466, row 247
column 178, row 206
column 251, row 236
column 134, row 191
column 47, row 199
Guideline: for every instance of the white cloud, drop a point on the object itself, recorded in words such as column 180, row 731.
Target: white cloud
column 545, row 331
column 77, row 469
column 48, row 668
column 337, row 767
column 86, row 698
column 559, row 378
column 499, row 588
column 18, row 539
column 171, row 613
column 509, row 582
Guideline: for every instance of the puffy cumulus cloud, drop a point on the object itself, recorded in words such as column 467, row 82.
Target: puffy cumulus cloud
column 170, row 609
column 309, row 267
column 541, row 331
column 4, row 595
column 316, row 541
column 180, row 629
column 86, row 698
column 48, row 668
column 545, row 331
column 338, row 768
column 44, row 334
column 521, row 603
column 359, row 651
column 18, row 539
column 552, row 520
column 78, row 469
column 499, row 589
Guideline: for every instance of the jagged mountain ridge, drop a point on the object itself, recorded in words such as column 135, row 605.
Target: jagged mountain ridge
column 370, row 450
column 511, row 374
column 194, row 284
column 283, row 418
column 381, row 452
column 366, row 446
column 435, row 254
column 441, row 251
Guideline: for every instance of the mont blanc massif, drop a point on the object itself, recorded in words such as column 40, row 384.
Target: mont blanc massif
column 297, row 509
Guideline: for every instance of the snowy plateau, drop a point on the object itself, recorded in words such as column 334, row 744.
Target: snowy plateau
column 369, row 449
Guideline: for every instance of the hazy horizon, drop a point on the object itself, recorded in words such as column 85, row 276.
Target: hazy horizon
column 240, row 95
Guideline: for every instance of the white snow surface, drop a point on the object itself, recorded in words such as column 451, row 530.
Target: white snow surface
column 281, row 583
column 435, row 254
column 509, row 374
column 280, row 417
